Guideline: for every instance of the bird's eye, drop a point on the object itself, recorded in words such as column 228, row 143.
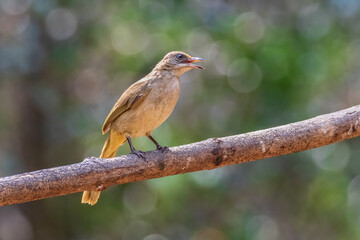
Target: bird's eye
column 180, row 56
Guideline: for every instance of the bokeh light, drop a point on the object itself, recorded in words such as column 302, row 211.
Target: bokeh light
column 139, row 198
column 129, row 38
column 15, row 7
column 61, row 24
column 333, row 158
column 244, row 75
column 249, row 27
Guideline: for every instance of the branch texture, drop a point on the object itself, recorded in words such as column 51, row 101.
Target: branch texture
column 98, row 174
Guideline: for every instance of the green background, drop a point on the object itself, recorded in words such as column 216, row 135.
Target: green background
column 63, row 65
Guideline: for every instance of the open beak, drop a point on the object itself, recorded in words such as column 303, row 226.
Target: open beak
column 191, row 60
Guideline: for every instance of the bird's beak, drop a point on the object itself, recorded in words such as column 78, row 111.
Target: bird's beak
column 191, row 60
column 194, row 59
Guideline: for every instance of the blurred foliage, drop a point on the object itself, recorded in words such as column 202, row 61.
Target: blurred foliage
column 63, row 64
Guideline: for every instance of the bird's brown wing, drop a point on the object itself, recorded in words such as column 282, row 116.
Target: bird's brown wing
column 130, row 99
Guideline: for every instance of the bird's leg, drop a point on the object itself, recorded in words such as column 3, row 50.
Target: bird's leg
column 158, row 146
column 133, row 150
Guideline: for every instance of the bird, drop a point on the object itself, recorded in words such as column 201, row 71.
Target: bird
column 143, row 107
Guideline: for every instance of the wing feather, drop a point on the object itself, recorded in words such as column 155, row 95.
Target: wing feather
column 130, row 99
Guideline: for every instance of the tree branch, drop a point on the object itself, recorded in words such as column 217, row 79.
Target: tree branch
column 98, row 174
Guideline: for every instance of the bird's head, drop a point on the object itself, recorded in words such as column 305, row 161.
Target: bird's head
column 178, row 62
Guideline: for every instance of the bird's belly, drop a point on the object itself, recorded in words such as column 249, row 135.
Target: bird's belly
column 155, row 109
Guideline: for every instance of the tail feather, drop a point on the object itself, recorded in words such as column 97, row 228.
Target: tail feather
column 113, row 142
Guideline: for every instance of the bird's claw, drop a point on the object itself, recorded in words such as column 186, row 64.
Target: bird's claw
column 162, row 148
column 140, row 154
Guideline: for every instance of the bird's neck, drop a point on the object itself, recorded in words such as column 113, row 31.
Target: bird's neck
column 163, row 66
column 162, row 74
column 162, row 70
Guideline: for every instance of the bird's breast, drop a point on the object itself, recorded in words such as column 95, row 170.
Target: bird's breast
column 154, row 110
column 161, row 102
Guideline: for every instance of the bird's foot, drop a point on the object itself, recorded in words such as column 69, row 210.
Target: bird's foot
column 162, row 148
column 140, row 154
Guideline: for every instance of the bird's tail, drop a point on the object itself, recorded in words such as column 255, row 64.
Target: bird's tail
column 113, row 142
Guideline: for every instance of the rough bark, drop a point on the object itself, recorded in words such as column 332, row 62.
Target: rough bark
column 98, row 174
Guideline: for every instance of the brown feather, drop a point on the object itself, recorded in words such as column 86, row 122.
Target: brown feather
column 130, row 99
